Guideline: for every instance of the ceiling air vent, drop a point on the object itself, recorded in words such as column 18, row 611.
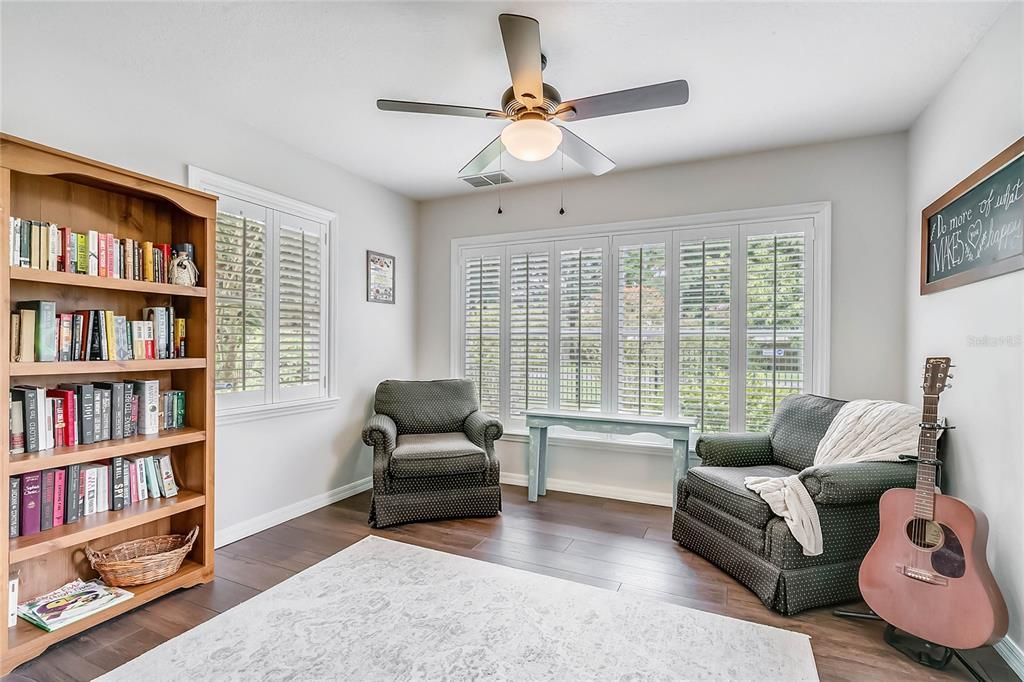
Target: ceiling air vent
column 488, row 180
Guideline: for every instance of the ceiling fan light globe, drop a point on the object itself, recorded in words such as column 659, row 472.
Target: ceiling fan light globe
column 531, row 139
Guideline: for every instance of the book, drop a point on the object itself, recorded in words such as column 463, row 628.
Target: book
column 85, row 399
column 149, row 408
column 17, row 427
column 93, row 252
column 71, row 602
column 108, row 338
column 29, row 397
column 152, row 478
column 46, row 500
column 103, row 488
column 158, row 317
column 71, row 496
column 68, row 404
column 45, row 314
column 117, row 483
column 15, row 336
column 133, row 481
column 115, row 389
column 97, row 415
column 59, row 426
column 27, row 342
column 139, row 472
column 14, row 507
column 31, row 499
column 128, row 429
column 105, row 412
column 59, row 483
column 167, row 484
column 90, row 473
column 64, row 349
column 179, row 336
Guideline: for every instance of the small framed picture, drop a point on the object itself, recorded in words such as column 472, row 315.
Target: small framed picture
column 380, row 277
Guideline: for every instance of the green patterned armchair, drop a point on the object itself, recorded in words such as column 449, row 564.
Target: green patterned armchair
column 719, row 519
column 433, row 453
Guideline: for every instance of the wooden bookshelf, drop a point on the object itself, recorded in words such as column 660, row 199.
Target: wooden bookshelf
column 40, row 183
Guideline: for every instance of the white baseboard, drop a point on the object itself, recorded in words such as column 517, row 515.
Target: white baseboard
column 1012, row 654
column 595, row 490
column 225, row 536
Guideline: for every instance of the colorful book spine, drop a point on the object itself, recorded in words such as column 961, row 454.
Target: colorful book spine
column 31, row 499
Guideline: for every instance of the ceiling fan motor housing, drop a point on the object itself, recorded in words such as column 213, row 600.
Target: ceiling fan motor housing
column 516, row 110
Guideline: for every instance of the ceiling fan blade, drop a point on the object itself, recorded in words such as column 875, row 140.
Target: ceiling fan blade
column 582, row 153
column 442, row 109
column 483, row 159
column 521, row 36
column 670, row 94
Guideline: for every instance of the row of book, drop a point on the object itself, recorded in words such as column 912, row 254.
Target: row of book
column 81, row 414
column 49, row 246
column 40, row 334
column 42, row 500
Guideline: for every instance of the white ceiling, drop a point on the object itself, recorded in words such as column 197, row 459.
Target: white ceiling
column 761, row 75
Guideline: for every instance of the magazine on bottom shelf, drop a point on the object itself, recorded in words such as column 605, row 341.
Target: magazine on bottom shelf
column 74, row 601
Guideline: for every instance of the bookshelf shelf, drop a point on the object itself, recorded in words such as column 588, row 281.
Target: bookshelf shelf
column 26, row 641
column 38, row 183
column 79, row 454
column 41, row 369
column 93, row 282
column 101, row 524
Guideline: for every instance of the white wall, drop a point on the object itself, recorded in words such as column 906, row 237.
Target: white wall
column 60, row 97
column 978, row 113
column 864, row 178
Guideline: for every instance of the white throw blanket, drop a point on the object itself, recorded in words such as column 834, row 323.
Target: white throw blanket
column 862, row 431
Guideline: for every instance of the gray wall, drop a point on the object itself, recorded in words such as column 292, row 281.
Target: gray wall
column 978, row 113
column 61, row 97
column 865, row 179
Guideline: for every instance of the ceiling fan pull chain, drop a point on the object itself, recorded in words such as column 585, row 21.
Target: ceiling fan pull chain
column 501, row 174
column 561, row 188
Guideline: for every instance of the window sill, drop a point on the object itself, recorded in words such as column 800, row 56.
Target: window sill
column 520, row 435
column 238, row 415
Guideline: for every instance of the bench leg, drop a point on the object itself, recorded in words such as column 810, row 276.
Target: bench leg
column 542, row 470
column 680, row 463
column 533, row 468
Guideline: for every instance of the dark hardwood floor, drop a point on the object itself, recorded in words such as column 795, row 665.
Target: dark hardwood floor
column 610, row 544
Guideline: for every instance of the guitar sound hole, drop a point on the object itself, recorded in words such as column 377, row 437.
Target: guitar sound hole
column 924, row 533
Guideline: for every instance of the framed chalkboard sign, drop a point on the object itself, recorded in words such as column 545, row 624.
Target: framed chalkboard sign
column 976, row 230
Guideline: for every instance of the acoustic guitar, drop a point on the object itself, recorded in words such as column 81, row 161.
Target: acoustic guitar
column 927, row 573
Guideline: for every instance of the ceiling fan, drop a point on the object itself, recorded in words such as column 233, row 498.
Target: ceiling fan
column 531, row 105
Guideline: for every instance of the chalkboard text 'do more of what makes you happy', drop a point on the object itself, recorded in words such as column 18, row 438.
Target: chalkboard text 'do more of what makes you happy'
column 976, row 230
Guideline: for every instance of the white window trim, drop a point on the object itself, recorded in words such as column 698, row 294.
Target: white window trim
column 819, row 279
column 274, row 406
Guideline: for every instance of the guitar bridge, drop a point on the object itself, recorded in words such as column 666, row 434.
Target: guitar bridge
column 922, row 575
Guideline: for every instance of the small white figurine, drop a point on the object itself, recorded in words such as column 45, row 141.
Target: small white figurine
column 184, row 271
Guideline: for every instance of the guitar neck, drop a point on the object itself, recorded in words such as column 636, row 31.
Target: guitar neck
column 927, row 449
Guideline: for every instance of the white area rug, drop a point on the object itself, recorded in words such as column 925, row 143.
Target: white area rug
column 384, row 610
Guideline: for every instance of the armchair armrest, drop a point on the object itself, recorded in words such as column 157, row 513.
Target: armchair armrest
column 856, row 482
column 734, row 449
column 482, row 429
column 381, row 433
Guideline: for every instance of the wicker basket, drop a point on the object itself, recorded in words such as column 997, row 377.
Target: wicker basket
column 141, row 561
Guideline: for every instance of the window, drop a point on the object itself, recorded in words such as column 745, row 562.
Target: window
column 641, row 328
column 581, row 326
column 271, row 288
column 482, row 339
column 713, row 322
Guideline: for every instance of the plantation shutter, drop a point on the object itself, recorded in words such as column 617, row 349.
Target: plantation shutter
column 641, row 329
column 241, row 290
column 529, row 312
column 775, row 323
column 482, row 328
column 705, row 321
column 300, row 295
column 581, row 277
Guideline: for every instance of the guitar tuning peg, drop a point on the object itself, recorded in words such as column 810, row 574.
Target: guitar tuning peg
column 949, row 376
column 949, row 385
